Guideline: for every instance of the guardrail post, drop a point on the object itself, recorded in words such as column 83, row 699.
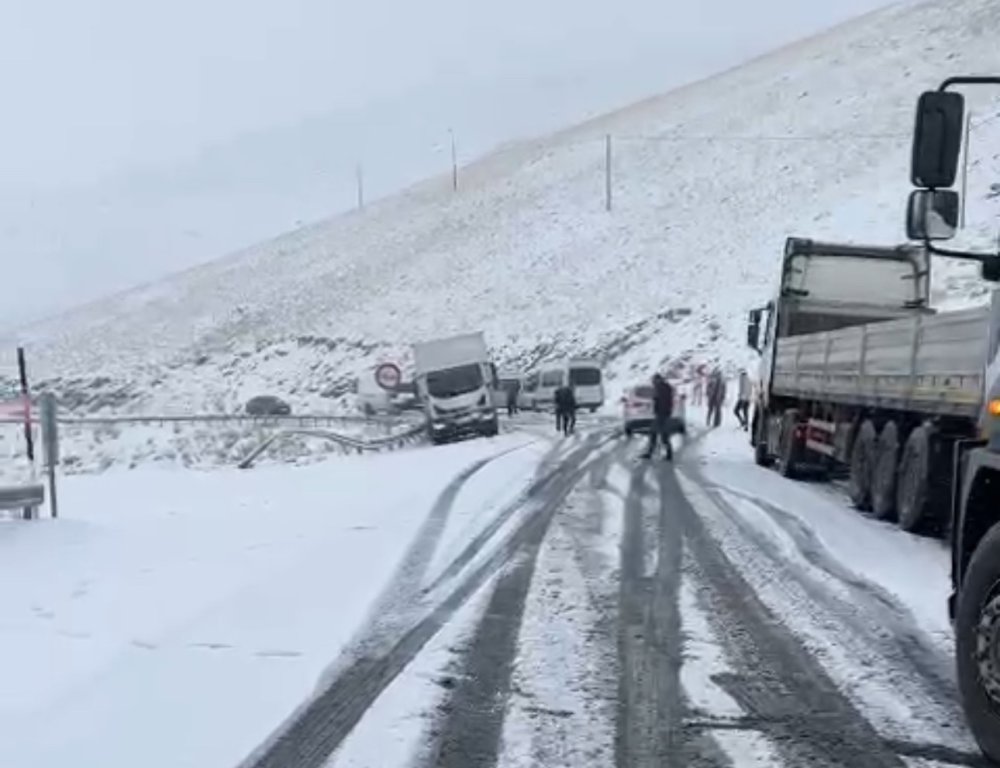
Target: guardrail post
column 50, row 445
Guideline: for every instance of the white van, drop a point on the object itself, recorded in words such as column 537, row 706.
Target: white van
column 526, row 395
column 587, row 380
column 551, row 377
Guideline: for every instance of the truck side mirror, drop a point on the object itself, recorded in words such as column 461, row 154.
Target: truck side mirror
column 937, row 139
column 932, row 214
column 753, row 330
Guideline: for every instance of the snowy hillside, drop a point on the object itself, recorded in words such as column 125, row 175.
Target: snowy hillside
column 708, row 180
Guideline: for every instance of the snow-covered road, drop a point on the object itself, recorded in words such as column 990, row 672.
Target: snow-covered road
column 518, row 602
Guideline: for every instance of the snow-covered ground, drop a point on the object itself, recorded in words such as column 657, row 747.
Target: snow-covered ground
column 867, row 600
column 174, row 618
column 708, row 180
column 179, row 617
column 815, row 521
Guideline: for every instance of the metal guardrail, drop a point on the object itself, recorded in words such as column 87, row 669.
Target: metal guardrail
column 361, row 446
column 17, row 496
column 28, row 498
column 235, row 418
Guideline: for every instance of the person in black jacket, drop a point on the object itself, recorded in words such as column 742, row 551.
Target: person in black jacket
column 565, row 402
column 663, row 411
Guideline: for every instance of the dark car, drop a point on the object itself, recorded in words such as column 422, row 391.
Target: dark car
column 268, row 405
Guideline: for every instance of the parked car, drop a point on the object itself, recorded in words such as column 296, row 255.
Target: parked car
column 267, row 405
column 637, row 409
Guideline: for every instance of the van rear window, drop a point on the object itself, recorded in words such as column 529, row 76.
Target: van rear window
column 643, row 392
column 552, row 379
column 584, row 377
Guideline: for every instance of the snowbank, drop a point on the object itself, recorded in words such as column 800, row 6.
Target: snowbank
column 175, row 618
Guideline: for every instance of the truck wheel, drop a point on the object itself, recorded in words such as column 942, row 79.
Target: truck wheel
column 791, row 448
column 914, row 478
column 884, row 474
column 761, row 456
column 977, row 644
column 862, row 464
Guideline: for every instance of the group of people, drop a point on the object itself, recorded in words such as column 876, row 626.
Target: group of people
column 665, row 424
column 713, row 390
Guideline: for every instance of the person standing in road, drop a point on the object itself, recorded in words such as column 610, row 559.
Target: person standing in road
column 716, row 395
column 565, row 402
column 679, row 419
column 699, row 386
column 663, row 411
column 743, row 394
column 511, row 400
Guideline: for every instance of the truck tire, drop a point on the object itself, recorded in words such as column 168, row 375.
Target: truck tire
column 760, row 455
column 977, row 644
column 913, row 482
column 884, row 474
column 758, row 439
column 791, row 448
column 862, row 465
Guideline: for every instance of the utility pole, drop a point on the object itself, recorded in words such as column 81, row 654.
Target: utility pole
column 454, row 162
column 361, row 187
column 965, row 166
column 607, row 172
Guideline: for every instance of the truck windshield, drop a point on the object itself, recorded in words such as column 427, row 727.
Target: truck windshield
column 584, row 377
column 454, row 381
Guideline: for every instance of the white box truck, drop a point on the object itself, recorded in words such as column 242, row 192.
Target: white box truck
column 455, row 380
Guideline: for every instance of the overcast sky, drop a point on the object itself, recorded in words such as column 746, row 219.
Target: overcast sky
column 129, row 127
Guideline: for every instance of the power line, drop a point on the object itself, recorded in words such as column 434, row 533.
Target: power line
column 823, row 137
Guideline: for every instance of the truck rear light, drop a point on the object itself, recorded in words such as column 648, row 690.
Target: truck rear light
column 994, row 407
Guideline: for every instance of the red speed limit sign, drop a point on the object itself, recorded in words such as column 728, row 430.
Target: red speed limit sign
column 388, row 375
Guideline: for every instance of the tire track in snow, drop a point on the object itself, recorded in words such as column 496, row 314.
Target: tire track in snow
column 312, row 734
column 402, row 599
column 872, row 612
column 779, row 683
column 469, row 736
column 649, row 639
column 538, row 489
column 870, row 622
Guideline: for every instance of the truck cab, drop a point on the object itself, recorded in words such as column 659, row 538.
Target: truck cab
column 829, row 286
column 456, row 381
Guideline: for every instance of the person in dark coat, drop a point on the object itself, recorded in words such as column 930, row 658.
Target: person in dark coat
column 663, row 411
column 565, row 401
column 716, row 395
column 511, row 400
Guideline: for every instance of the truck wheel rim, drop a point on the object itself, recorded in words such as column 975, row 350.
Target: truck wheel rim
column 988, row 646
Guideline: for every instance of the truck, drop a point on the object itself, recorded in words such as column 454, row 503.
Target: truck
column 455, row 381
column 859, row 374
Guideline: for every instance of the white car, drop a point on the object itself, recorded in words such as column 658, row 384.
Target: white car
column 637, row 409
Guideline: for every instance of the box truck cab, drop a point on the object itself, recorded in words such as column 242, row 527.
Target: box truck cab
column 456, row 380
